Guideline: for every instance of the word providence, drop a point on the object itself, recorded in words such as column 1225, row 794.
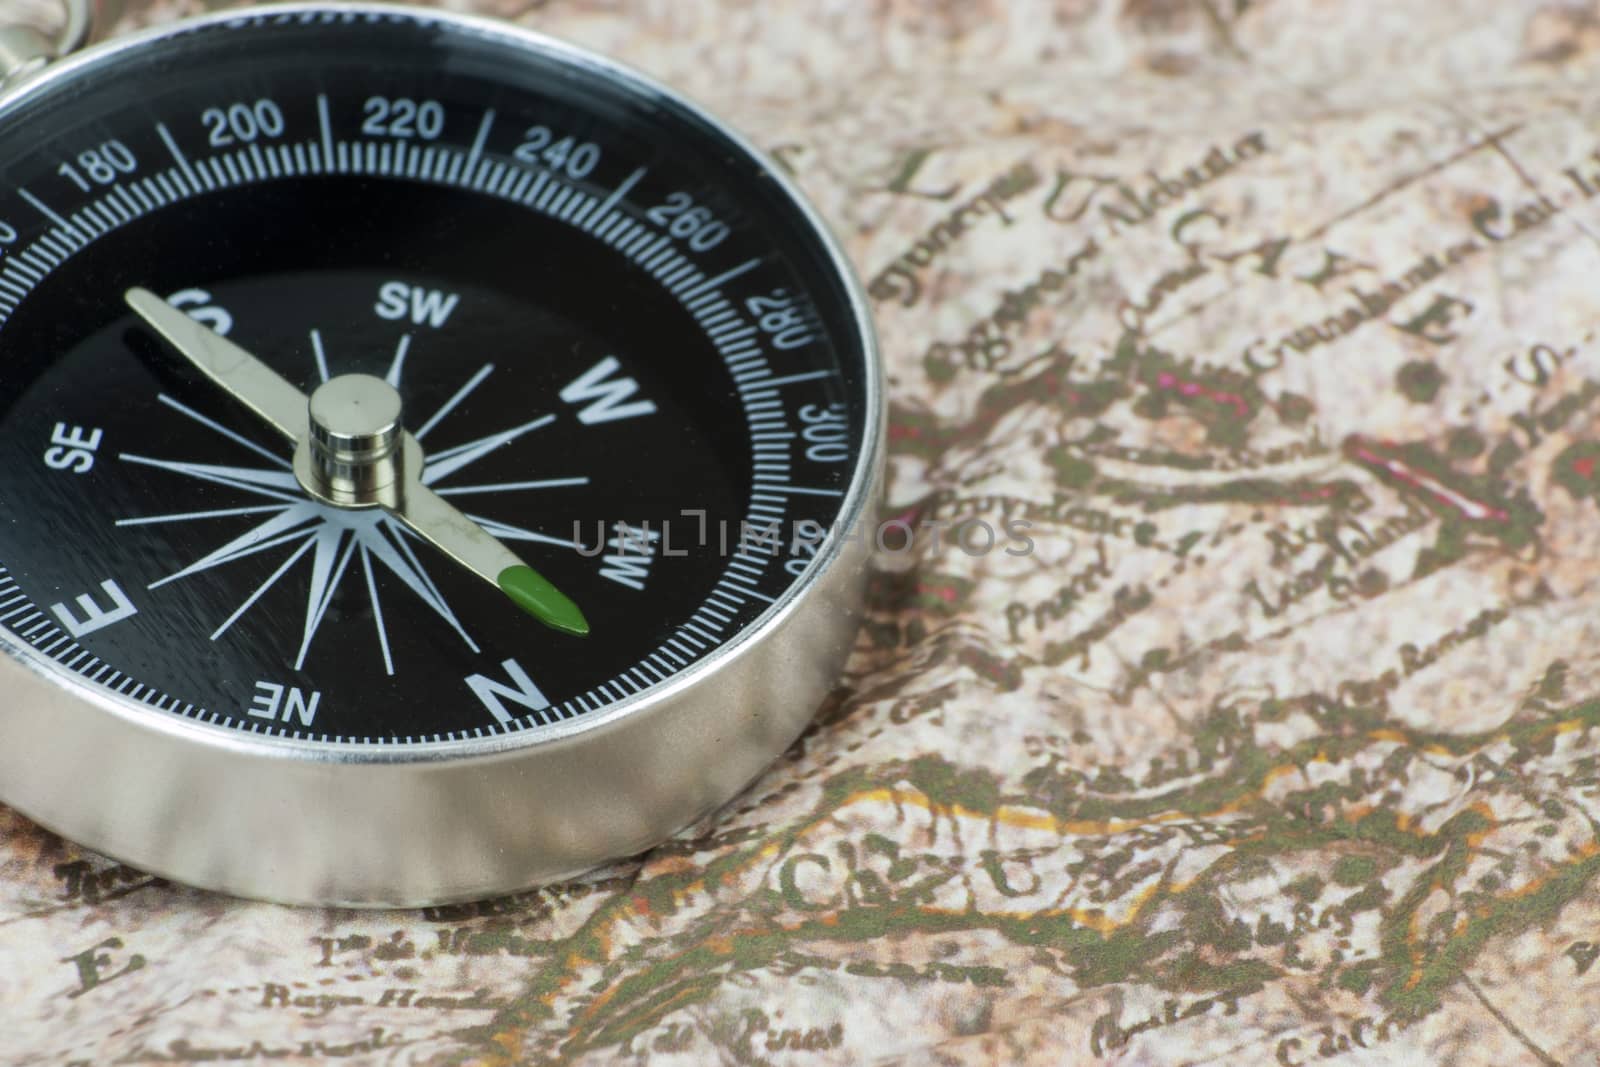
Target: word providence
column 972, row 536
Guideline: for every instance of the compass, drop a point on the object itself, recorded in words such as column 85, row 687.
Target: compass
column 433, row 459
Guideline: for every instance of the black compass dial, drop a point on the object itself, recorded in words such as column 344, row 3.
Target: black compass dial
column 622, row 353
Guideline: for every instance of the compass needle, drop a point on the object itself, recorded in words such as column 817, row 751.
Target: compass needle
column 462, row 328
column 342, row 443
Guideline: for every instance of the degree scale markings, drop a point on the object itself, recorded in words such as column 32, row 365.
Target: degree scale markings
column 611, row 218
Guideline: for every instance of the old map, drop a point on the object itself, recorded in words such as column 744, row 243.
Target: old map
column 1273, row 327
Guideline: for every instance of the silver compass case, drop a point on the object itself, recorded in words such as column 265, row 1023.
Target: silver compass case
column 388, row 825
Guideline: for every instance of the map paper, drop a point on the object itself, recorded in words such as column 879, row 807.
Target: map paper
column 1263, row 724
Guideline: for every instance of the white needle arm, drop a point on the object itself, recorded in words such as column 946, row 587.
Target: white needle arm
column 241, row 375
column 463, row 540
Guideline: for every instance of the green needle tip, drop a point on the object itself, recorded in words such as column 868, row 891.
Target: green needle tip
column 531, row 592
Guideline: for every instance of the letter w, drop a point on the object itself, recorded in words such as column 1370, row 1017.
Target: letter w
column 608, row 397
column 432, row 307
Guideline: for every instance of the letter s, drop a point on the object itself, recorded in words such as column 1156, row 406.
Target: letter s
column 1013, row 529
column 392, row 301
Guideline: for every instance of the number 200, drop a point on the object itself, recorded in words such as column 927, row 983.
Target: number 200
column 243, row 122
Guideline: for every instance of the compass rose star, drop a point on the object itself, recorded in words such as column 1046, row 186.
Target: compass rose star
column 334, row 539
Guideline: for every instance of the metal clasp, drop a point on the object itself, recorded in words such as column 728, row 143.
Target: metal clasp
column 26, row 48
